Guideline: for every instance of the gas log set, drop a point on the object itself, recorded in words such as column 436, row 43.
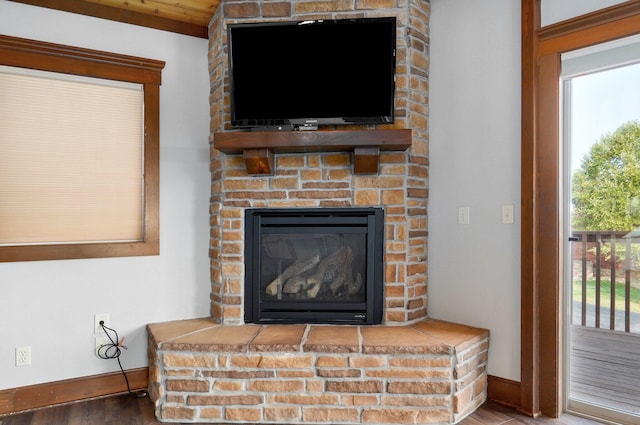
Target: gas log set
column 314, row 265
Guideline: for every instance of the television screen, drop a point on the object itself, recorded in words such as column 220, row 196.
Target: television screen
column 311, row 73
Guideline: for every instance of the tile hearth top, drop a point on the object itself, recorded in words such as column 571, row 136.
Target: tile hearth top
column 428, row 336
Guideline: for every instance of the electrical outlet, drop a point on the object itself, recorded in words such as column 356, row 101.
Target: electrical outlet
column 97, row 318
column 100, row 341
column 23, row 356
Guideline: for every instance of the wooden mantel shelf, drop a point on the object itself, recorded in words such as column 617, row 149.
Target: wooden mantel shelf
column 258, row 148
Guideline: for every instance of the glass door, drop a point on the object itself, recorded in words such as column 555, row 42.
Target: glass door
column 601, row 137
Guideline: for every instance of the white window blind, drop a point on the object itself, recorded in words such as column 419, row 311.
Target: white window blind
column 71, row 159
column 620, row 52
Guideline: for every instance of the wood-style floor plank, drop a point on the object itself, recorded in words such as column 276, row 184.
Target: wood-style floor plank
column 492, row 413
column 147, row 412
column 80, row 414
column 487, row 415
column 19, row 419
column 130, row 410
column 58, row 414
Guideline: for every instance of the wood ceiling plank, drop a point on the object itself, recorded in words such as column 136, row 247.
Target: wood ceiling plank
column 192, row 11
column 120, row 14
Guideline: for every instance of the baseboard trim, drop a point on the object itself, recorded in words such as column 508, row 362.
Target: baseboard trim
column 13, row 400
column 503, row 391
column 20, row 399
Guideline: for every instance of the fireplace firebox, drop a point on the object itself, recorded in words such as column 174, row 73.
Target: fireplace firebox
column 319, row 265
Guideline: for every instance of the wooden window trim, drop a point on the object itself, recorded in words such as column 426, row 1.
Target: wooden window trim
column 44, row 56
column 541, row 332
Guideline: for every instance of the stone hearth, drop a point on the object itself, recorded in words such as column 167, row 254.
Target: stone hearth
column 428, row 372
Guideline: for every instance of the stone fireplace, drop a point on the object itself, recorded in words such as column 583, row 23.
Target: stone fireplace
column 408, row 369
column 314, row 179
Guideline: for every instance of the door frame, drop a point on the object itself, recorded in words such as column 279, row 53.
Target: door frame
column 541, row 184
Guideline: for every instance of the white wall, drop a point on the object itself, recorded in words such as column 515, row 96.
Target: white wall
column 553, row 11
column 474, row 103
column 49, row 305
column 474, row 270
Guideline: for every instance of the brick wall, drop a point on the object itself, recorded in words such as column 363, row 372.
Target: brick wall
column 320, row 180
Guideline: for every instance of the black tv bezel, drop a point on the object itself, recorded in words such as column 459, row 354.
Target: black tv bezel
column 295, row 123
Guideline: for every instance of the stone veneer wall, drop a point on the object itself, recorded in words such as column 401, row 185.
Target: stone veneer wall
column 326, row 180
column 428, row 372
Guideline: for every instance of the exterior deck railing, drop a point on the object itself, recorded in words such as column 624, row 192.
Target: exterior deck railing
column 610, row 258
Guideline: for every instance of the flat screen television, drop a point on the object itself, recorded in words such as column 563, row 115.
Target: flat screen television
column 303, row 74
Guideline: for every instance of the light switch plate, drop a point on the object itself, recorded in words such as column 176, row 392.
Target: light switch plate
column 507, row 214
column 463, row 215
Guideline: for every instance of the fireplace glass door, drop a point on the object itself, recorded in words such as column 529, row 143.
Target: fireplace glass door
column 313, row 265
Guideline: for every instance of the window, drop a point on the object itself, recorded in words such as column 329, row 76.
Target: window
column 78, row 152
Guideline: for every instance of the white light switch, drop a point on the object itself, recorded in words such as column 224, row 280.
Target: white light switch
column 507, row 214
column 463, row 215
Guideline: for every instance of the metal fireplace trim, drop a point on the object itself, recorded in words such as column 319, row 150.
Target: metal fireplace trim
column 369, row 221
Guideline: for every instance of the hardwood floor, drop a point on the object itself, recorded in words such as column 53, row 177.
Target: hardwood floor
column 129, row 410
column 495, row 414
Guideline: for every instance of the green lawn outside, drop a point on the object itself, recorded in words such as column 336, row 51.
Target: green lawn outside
column 605, row 294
